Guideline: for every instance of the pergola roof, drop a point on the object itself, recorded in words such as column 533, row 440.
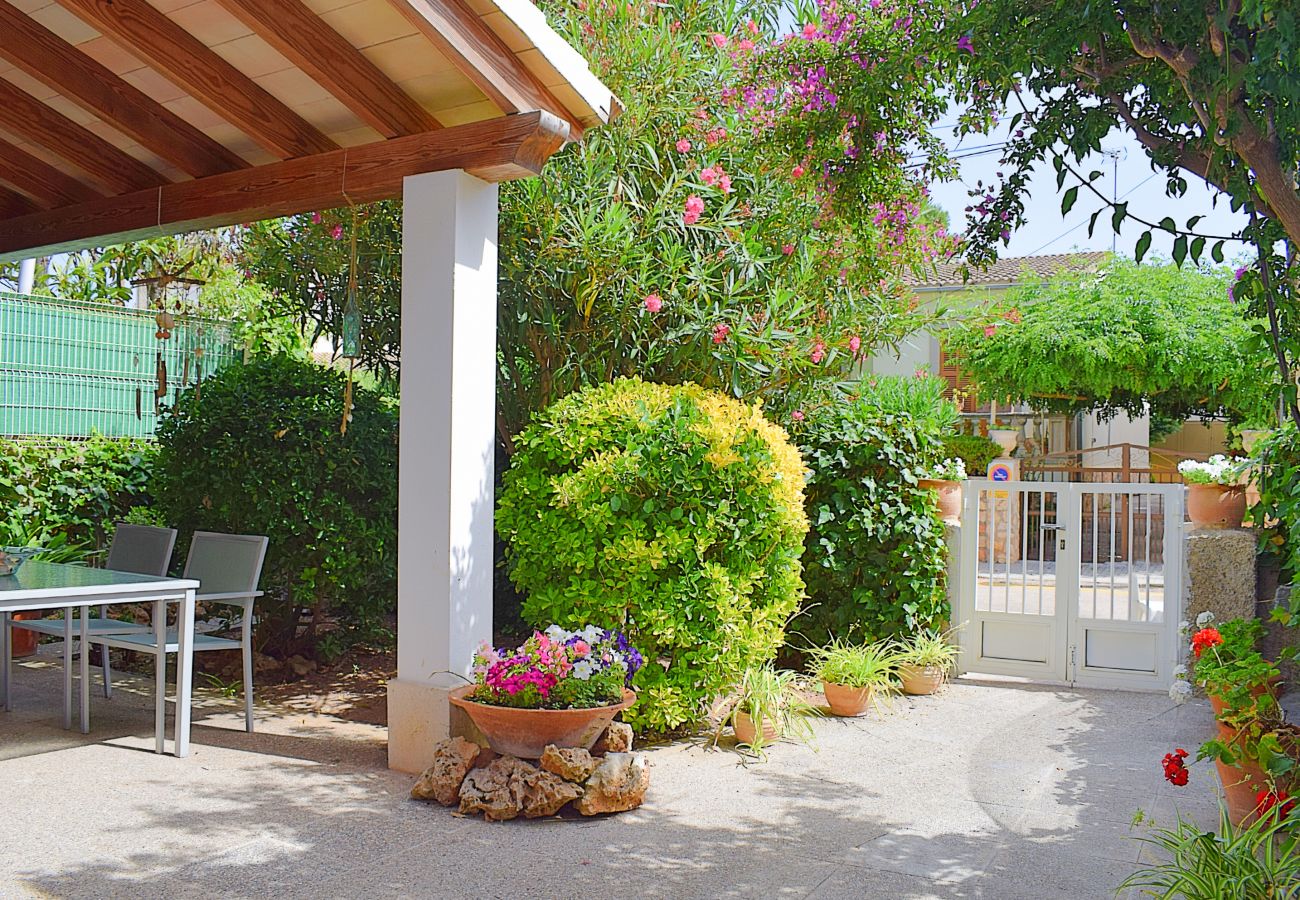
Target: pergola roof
column 123, row 119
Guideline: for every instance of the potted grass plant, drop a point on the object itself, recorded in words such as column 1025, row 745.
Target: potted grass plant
column 925, row 660
column 768, row 706
column 855, row 677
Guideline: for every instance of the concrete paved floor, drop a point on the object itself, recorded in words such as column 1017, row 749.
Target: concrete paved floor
column 987, row 790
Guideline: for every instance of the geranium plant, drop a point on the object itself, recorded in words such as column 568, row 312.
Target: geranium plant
column 1218, row 470
column 953, row 469
column 557, row 669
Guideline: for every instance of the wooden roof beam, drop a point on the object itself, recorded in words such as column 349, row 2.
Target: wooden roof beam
column 13, row 204
column 115, row 169
column 308, row 41
column 192, row 66
column 37, row 178
column 480, row 54
column 495, row 150
column 54, row 62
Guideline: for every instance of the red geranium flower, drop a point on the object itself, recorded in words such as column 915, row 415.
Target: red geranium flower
column 1266, row 801
column 1175, row 771
column 1206, row 637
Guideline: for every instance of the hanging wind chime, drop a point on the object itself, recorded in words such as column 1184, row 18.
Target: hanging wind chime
column 351, row 337
column 160, row 286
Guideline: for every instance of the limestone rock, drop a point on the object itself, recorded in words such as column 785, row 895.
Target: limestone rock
column 301, row 665
column 452, row 760
column 570, row 763
column 617, row 738
column 618, row 784
column 508, row 787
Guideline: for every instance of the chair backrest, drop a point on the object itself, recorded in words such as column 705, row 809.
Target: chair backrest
column 141, row 549
column 226, row 563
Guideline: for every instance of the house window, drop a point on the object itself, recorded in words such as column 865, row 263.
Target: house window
column 960, row 388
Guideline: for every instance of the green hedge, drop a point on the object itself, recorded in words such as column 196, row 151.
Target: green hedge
column 674, row 514
column 975, row 451
column 73, row 491
column 876, row 554
column 259, row 452
column 1279, row 495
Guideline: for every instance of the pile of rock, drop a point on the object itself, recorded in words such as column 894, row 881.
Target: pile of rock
column 502, row 787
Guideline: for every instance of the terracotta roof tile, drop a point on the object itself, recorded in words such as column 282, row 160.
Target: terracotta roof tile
column 1006, row 271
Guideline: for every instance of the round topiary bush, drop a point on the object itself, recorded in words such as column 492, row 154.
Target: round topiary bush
column 669, row 512
column 257, row 450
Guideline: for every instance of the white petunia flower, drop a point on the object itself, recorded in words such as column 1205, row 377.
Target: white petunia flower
column 1179, row 691
column 1184, row 627
column 582, row 670
column 556, row 633
column 1204, row 619
column 591, row 634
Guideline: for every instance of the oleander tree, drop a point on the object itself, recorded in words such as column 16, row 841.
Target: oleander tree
column 1125, row 338
column 1210, row 90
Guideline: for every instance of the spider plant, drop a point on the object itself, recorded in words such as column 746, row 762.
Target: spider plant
column 1257, row 860
column 929, row 648
column 772, row 697
column 872, row 666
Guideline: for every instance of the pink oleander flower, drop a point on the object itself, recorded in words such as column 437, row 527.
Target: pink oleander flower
column 724, row 182
column 990, row 330
column 818, row 352
column 315, row 218
column 694, row 208
column 797, row 415
column 964, row 43
column 683, row 145
column 744, row 45
column 719, row 40
column 752, row 26
column 809, row 31
column 653, row 303
column 709, row 175
column 787, row 249
column 720, row 332
column 337, row 232
column 855, row 344
column 797, row 171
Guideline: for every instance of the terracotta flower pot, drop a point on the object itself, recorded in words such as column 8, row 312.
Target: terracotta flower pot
column 948, row 496
column 1216, row 505
column 845, row 700
column 1274, row 687
column 24, row 641
column 743, row 726
column 526, row 732
column 1241, row 785
column 919, row 680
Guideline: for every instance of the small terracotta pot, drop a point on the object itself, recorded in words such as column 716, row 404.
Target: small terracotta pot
column 526, row 732
column 1216, row 505
column 743, row 726
column 24, row 641
column 948, row 495
column 847, row 701
column 1241, row 784
column 918, row 680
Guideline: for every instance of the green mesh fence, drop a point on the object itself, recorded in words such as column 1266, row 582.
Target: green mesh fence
column 71, row 369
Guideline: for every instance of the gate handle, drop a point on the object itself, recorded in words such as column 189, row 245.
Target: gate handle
column 1051, row 527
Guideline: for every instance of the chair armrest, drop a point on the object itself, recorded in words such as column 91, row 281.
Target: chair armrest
column 228, row 596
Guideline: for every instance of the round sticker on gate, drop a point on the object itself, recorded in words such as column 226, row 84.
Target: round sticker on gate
column 1000, row 472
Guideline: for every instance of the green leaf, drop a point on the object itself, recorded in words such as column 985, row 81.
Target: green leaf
column 1067, row 202
column 1180, row 249
column 1168, row 224
column 1143, row 244
column 1118, row 216
column 1092, row 222
column 1216, row 252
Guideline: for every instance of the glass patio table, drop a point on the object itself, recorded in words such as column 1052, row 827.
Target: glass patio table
column 41, row 585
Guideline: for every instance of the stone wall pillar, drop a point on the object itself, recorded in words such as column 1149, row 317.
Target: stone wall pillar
column 1004, row 523
column 1220, row 573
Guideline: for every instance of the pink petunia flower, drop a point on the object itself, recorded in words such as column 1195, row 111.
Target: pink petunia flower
column 683, row 146
column 653, row 303
column 694, row 207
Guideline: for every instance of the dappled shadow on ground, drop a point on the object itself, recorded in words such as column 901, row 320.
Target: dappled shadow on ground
column 997, row 792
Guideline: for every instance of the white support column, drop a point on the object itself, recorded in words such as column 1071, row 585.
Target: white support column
column 445, row 495
column 26, row 276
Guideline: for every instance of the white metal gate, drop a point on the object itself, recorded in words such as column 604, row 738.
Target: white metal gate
column 1071, row 583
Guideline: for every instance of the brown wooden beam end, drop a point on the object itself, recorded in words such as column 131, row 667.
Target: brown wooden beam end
column 37, row 178
column 307, row 40
column 115, row 169
column 51, row 60
column 215, row 83
column 495, row 150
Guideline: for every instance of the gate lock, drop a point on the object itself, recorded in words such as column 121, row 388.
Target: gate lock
column 1059, row 529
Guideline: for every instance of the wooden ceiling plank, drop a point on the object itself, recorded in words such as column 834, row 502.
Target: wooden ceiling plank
column 115, row 169
column 495, row 149
column 308, row 41
column 481, row 55
column 13, row 204
column 40, row 179
column 48, row 58
column 184, row 59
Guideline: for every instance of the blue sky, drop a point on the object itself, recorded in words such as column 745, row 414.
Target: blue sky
column 1048, row 232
